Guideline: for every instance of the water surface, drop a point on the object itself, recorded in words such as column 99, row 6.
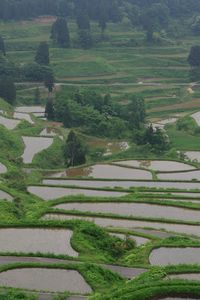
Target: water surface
column 30, row 109
column 188, row 276
column 193, row 155
column 157, row 165
column 5, row 196
column 191, row 175
column 34, row 145
column 105, row 171
column 23, row 116
column 50, row 193
column 196, row 117
column 175, row 256
column 29, row 240
column 131, row 224
column 123, row 184
column 41, row 279
column 135, row 209
column 3, row 169
column 8, row 123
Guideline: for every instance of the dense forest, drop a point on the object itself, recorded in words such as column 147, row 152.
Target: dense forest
column 112, row 10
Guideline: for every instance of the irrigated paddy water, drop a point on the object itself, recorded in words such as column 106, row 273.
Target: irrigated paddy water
column 34, row 145
column 130, row 224
column 106, row 171
column 3, row 169
column 50, row 193
column 135, row 210
column 41, row 279
column 123, row 184
column 9, row 123
column 157, row 165
column 5, row 196
column 29, row 240
column 175, row 256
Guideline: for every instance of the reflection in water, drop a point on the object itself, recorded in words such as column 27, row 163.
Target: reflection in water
column 105, row 171
column 157, row 165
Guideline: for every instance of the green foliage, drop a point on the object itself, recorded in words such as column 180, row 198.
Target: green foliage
column 155, row 137
column 51, row 158
column 187, row 124
column 74, row 151
column 49, row 109
column 7, row 90
column 94, row 242
column 60, row 33
column 16, row 295
column 2, row 46
column 42, row 54
column 194, row 57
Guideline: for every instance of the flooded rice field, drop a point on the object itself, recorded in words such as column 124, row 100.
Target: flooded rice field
column 3, row 169
column 8, row 123
column 30, row 109
column 23, row 116
column 188, row 276
column 50, row 193
column 175, row 256
column 131, row 224
column 191, row 175
column 34, row 145
column 196, row 117
column 105, row 171
column 5, row 196
column 193, row 155
column 41, row 279
column 29, row 240
column 135, row 210
column 123, row 184
column 157, row 165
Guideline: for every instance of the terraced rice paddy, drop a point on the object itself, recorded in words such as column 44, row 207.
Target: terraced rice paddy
column 23, row 116
column 5, row 196
column 34, row 145
column 41, row 279
column 50, row 193
column 9, row 123
column 129, row 224
column 193, row 155
column 3, row 169
column 29, row 240
column 175, row 256
column 189, row 276
column 106, row 171
column 30, row 109
column 196, row 117
column 157, row 165
column 135, row 210
column 128, row 190
column 124, row 184
column 182, row 176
